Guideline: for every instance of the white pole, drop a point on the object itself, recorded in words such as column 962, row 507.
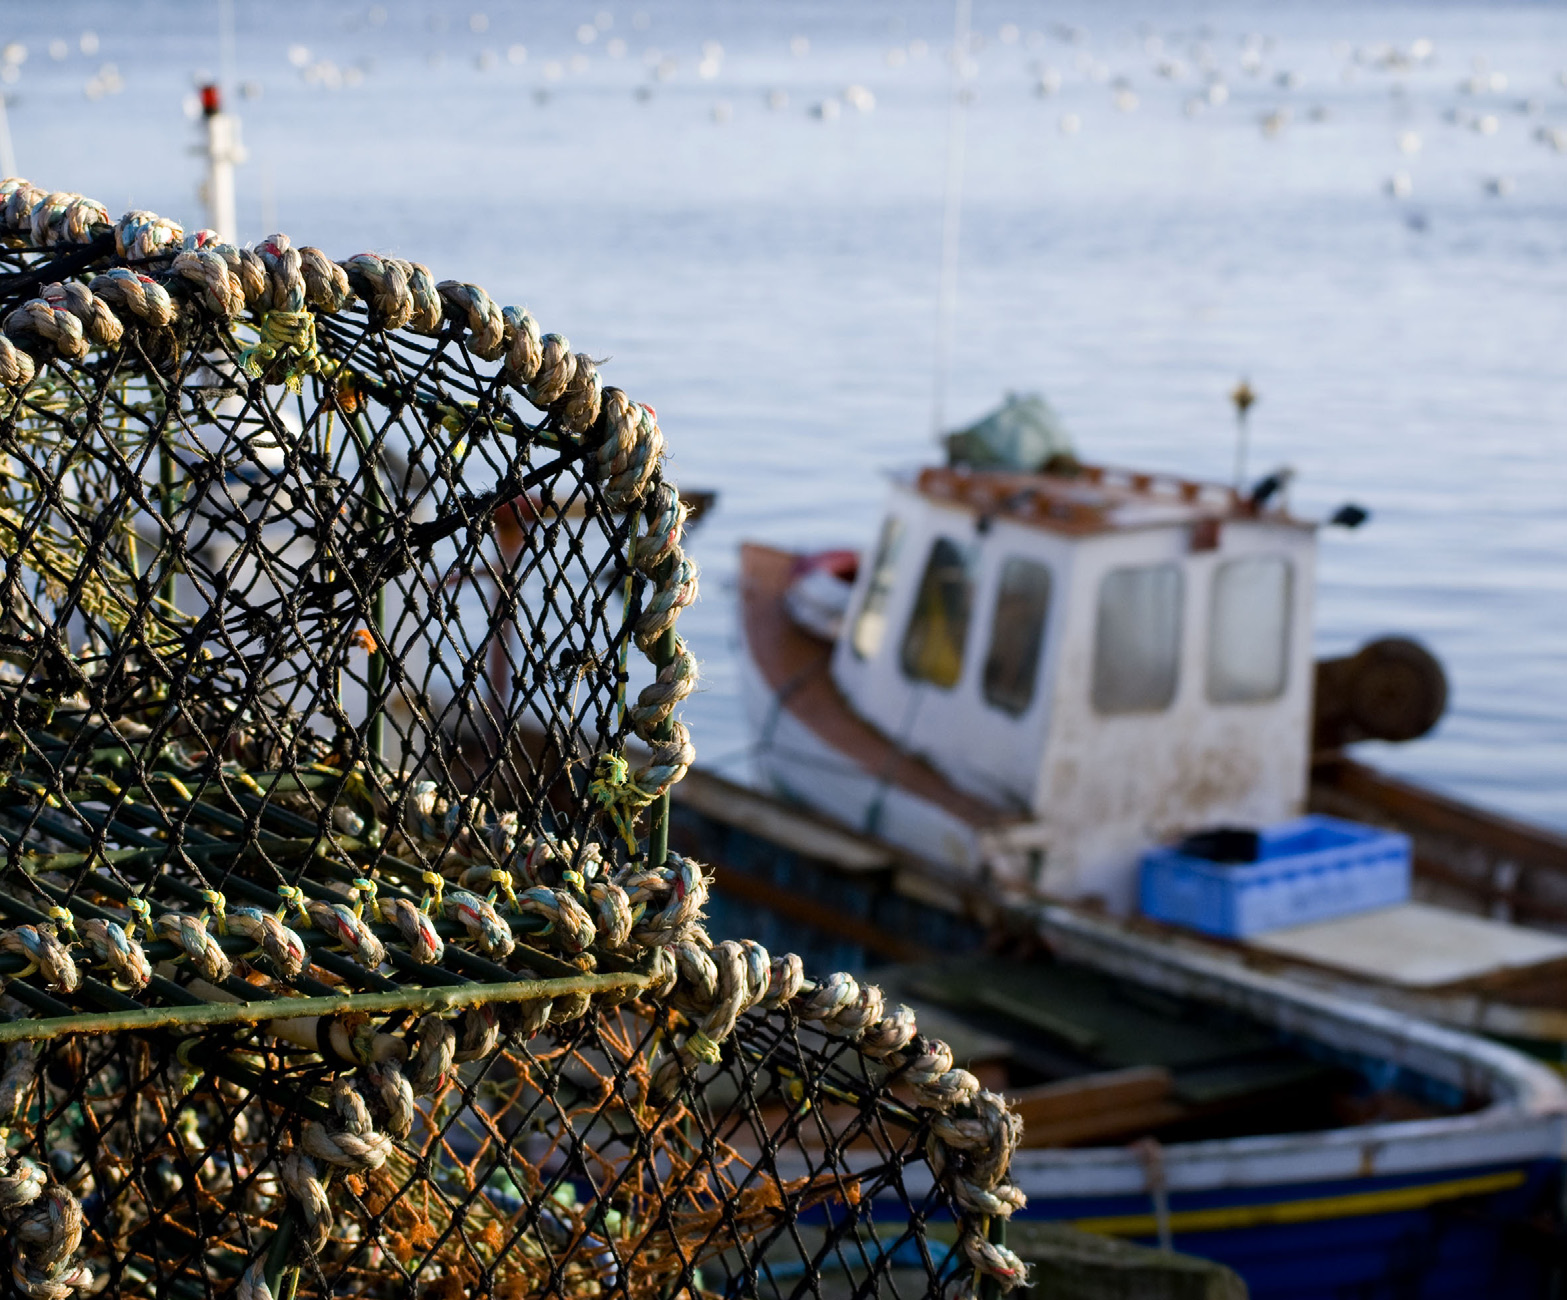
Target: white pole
column 947, row 295
column 223, row 151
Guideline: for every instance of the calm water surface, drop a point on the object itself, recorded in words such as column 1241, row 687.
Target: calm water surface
column 766, row 276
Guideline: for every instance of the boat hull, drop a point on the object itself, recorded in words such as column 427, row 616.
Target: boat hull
column 1445, row 1234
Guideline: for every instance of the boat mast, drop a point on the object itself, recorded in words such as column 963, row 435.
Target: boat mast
column 947, row 293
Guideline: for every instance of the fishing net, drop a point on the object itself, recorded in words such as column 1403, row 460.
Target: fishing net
column 344, row 953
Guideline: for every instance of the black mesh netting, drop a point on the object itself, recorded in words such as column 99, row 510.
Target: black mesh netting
column 344, row 952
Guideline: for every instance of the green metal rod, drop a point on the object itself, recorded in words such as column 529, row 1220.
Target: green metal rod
column 446, row 998
column 279, row 1249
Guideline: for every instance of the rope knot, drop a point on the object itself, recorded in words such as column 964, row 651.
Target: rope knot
column 614, row 790
column 286, row 349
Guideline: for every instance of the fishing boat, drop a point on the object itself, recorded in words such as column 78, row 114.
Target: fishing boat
column 1043, row 672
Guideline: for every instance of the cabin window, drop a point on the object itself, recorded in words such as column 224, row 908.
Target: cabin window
column 938, row 628
column 1248, row 630
column 1017, row 634
column 870, row 624
column 1137, row 647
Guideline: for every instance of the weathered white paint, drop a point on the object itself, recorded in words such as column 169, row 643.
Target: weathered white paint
column 1098, row 789
column 979, row 748
column 1110, row 787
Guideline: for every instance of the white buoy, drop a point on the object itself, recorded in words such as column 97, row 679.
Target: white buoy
column 1071, row 124
column 1409, row 142
column 1499, row 187
column 1399, row 185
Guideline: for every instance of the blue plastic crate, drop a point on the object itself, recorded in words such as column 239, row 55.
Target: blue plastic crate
column 1308, row 869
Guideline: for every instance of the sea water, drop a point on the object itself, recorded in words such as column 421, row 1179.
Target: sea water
column 1359, row 208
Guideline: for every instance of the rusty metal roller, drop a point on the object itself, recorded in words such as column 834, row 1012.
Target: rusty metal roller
column 1390, row 689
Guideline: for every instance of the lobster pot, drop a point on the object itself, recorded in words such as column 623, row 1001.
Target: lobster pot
column 343, row 954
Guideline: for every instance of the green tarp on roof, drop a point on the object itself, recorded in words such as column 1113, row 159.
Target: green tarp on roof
column 1023, row 434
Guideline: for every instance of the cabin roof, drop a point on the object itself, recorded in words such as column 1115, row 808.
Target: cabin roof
column 1088, row 499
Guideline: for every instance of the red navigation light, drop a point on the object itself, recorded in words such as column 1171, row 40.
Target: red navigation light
column 211, row 102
